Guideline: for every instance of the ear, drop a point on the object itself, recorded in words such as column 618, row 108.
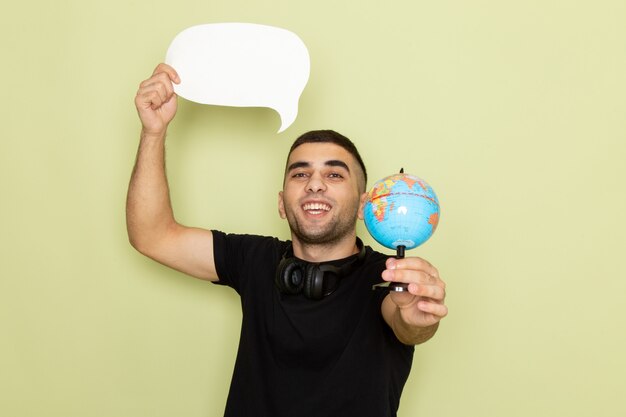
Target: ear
column 281, row 206
column 362, row 200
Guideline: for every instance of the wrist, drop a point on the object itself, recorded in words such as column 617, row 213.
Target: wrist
column 152, row 135
column 413, row 333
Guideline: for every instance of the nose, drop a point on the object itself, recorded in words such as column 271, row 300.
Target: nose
column 315, row 184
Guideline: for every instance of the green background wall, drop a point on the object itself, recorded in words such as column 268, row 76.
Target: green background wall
column 514, row 112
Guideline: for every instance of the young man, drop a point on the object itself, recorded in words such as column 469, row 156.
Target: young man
column 316, row 340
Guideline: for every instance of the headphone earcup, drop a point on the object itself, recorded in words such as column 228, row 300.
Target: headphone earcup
column 290, row 276
column 314, row 282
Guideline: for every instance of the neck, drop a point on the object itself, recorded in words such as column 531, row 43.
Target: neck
column 324, row 252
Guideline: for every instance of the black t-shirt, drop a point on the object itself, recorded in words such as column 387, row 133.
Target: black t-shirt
column 299, row 357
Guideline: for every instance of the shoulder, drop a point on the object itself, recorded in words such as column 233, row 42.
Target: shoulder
column 373, row 257
column 240, row 256
column 234, row 243
column 242, row 249
column 370, row 269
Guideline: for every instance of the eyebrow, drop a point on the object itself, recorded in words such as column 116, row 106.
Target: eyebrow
column 330, row 163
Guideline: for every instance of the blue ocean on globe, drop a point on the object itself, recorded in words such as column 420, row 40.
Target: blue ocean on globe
column 401, row 210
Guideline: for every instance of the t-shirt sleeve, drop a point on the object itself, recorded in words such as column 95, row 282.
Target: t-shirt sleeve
column 237, row 257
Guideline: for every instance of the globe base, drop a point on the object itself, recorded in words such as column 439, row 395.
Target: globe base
column 394, row 286
column 391, row 286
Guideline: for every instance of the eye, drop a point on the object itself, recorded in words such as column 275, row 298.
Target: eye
column 299, row 175
column 335, row 175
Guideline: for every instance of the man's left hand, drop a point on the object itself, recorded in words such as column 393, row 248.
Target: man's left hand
column 423, row 304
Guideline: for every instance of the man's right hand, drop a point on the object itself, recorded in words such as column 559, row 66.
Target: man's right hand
column 156, row 101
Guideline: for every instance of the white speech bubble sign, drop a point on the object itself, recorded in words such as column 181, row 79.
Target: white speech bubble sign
column 241, row 65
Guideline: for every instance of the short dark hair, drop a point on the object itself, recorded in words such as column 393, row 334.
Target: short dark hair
column 330, row 136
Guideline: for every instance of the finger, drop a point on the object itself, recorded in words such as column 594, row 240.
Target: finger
column 149, row 98
column 433, row 292
column 164, row 91
column 163, row 68
column 406, row 276
column 152, row 96
column 160, row 80
column 436, row 309
column 411, row 276
column 403, row 299
column 415, row 263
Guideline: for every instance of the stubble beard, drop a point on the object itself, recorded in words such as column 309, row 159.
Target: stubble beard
column 327, row 234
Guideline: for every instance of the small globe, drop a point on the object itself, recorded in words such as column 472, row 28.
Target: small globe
column 401, row 210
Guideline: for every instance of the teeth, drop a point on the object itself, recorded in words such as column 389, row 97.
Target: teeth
column 316, row 207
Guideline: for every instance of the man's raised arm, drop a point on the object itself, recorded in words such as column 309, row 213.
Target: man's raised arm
column 152, row 228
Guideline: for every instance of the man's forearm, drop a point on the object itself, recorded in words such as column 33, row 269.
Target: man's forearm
column 411, row 335
column 148, row 206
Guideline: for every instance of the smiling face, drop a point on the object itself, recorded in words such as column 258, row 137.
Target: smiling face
column 322, row 194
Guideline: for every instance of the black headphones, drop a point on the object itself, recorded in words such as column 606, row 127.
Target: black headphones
column 314, row 280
